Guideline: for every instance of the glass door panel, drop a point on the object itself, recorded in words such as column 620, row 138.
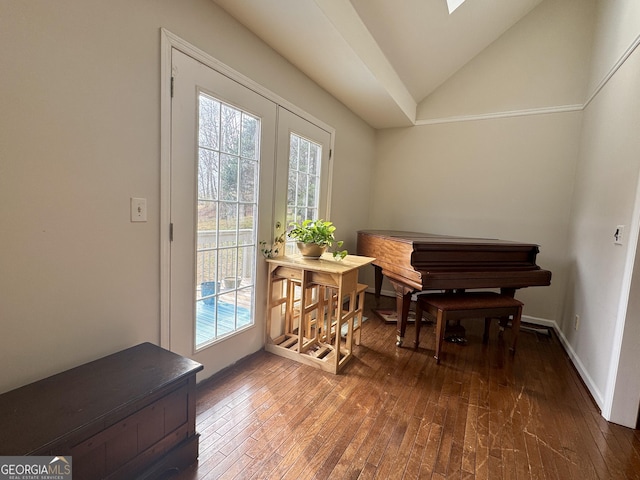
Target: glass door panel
column 304, row 172
column 226, row 223
column 303, row 190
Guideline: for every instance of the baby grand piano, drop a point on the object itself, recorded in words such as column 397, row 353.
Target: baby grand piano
column 415, row 262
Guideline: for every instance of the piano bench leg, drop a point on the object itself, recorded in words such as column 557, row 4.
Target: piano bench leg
column 487, row 325
column 515, row 329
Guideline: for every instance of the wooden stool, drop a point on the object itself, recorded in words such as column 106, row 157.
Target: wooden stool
column 353, row 331
column 357, row 321
column 456, row 306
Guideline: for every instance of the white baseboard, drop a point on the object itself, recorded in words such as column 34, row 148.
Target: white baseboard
column 582, row 371
column 575, row 359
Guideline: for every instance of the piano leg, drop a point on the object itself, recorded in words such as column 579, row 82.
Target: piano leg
column 403, row 302
column 378, row 280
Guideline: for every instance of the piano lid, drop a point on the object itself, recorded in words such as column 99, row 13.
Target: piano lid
column 440, row 261
column 421, row 238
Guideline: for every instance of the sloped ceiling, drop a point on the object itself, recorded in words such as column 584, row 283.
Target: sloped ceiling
column 380, row 58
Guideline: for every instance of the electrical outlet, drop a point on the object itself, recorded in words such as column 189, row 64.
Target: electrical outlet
column 577, row 322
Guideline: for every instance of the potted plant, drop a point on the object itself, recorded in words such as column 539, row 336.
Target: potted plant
column 208, row 291
column 314, row 237
column 231, row 282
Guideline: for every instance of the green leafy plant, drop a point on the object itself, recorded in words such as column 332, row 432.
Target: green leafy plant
column 272, row 250
column 319, row 232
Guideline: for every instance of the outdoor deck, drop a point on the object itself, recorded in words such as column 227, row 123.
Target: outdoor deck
column 229, row 318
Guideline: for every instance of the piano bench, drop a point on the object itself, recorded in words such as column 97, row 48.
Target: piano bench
column 456, row 306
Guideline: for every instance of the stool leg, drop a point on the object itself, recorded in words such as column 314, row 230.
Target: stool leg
column 487, row 325
column 360, row 316
column 515, row 328
column 416, row 343
column 441, row 323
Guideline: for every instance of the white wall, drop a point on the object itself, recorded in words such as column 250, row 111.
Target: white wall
column 617, row 26
column 541, row 62
column 606, row 183
column 79, row 136
column 604, row 281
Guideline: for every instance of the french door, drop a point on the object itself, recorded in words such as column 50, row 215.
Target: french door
column 241, row 168
column 222, row 170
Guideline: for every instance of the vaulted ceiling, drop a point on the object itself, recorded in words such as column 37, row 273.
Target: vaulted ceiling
column 380, row 58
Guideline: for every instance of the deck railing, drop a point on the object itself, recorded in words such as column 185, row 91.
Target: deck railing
column 225, row 257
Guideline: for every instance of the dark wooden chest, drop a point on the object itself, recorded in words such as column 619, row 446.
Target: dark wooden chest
column 128, row 415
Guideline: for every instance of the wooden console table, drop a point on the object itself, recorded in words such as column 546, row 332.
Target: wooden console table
column 306, row 308
column 127, row 415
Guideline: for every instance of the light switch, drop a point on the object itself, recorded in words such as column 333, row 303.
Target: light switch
column 138, row 209
column 618, row 236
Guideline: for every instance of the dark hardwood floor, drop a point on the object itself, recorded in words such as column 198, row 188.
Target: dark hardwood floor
column 394, row 413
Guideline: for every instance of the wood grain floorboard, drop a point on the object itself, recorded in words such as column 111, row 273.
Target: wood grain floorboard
column 392, row 413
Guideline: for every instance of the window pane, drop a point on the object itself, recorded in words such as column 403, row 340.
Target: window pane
column 250, row 137
column 314, row 159
column 228, row 177
column 227, row 267
column 208, row 174
column 304, row 182
column 230, row 128
column 292, row 187
column 207, row 223
column 294, row 144
column 228, row 217
column 312, row 197
column 209, row 125
column 248, row 178
column 226, row 317
column 303, row 156
column 248, row 226
column 301, row 197
column 206, row 267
